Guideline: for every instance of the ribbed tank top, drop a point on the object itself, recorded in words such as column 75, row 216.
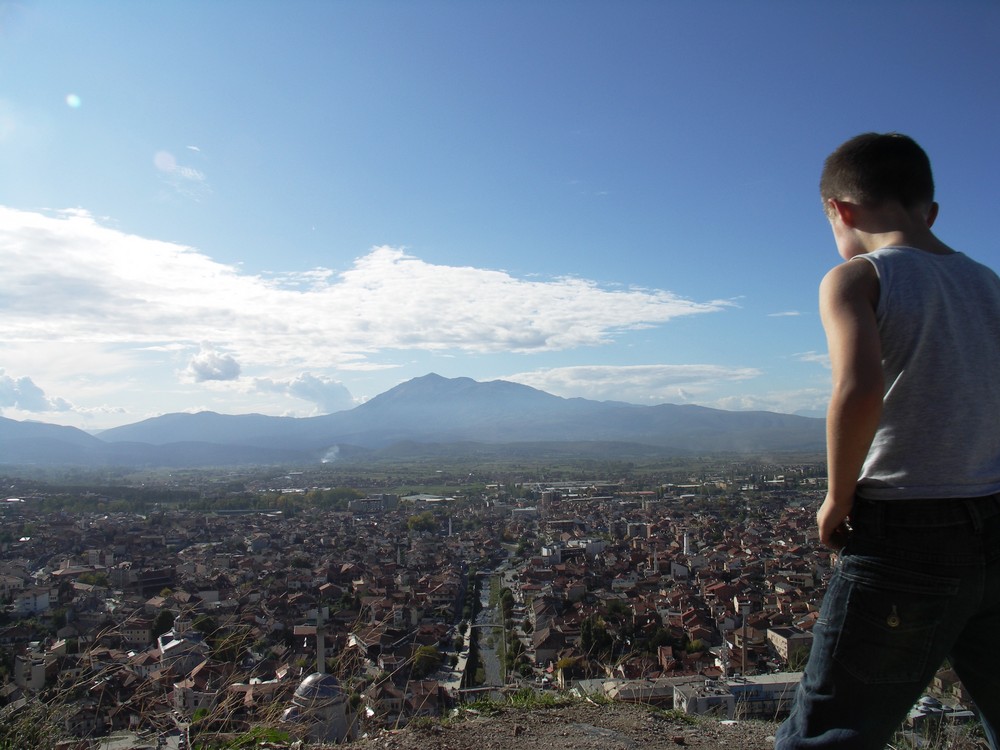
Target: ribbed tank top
column 939, row 322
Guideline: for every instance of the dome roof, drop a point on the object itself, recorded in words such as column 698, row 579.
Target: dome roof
column 319, row 687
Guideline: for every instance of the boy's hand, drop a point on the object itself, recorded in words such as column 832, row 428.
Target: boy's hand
column 832, row 522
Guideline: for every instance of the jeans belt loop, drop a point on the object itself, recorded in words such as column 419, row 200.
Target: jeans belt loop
column 879, row 508
column 974, row 516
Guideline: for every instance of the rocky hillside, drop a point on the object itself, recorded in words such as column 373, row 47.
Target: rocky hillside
column 579, row 725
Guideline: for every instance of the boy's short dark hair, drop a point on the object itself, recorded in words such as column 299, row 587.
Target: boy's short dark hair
column 873, row 168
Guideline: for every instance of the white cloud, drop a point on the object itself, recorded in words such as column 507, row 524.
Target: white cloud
column 806, row 401
column 640, row 384
column 786, row 314
column 329, row 395
column 22, row 394
column 109, row 317
column 68, row 278
column 822, row 359
column 210, row 364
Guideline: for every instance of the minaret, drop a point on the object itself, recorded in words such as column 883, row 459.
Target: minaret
column 320, row 641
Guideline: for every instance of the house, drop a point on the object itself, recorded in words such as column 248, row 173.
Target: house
column 546, row 643
column 202, row 687
column 137, row 632
column 181, row 651
column 790, row 642
column 31, row 601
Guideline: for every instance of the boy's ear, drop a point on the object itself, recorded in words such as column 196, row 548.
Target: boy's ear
column 845, row 210
column 932, row 213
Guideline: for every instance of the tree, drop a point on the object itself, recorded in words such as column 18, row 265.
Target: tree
column 506, row 603
column 617, row 610
column 422, row 522
column 425, row 660
column 661, row 637
column 695, row 646
column 229, row 645
column 204, row 625
column 594, row 637
column 59, row 618
column 163, row 622
column 94, row 579
column 797, row 658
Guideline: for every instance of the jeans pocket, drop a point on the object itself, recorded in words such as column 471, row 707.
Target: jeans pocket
column 890, row 617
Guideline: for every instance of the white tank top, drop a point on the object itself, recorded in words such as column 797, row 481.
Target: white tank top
column 939, row 322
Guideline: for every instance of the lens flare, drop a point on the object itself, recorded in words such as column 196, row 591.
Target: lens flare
column 73, row 101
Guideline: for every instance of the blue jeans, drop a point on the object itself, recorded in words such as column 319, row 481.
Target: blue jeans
column 918, row 582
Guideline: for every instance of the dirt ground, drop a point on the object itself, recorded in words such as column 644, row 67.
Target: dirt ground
column 578, row 726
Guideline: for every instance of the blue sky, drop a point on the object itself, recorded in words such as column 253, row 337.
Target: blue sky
column 289, row 208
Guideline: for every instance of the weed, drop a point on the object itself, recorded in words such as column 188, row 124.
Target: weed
column 941, row 736
column 531, row 699
column 31, row 725
column 674, row 715
column 423, row 723
column 251, row 739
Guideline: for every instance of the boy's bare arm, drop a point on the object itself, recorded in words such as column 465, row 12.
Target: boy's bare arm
column 848, row 297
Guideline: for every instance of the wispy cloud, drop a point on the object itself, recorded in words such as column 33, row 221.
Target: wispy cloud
column 805, row 401
column 641, row 384
column 181, row 178
column 327, row 394
column 677, row 384
column 786, row 314
column 8, row 120
column 819, row 358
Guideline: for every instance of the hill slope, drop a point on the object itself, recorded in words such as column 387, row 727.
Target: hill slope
column 577, row 725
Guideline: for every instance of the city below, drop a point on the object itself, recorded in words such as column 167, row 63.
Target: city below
column 167, row 607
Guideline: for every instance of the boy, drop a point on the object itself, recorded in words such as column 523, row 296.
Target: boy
column 913, row 455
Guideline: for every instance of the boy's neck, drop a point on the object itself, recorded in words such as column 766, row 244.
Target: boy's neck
column 895, row 226
column 925, row 241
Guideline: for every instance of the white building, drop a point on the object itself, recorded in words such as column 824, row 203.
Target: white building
column 30, row 670
column 766, row 696
column 31, row 601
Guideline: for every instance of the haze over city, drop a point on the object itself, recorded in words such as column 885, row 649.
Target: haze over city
column 289, row 208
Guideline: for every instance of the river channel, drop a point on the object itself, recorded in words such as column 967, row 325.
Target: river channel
column 489, row 616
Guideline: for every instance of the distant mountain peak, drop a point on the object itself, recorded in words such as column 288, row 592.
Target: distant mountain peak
column 431, row 409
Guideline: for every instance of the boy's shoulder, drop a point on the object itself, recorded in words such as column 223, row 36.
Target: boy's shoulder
column 852, row 275
column 850, row 288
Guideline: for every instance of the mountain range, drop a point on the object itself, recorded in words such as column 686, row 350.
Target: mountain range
column 426, row 414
